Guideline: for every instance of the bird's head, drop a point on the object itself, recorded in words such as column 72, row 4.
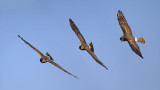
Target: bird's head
column 80, row 47
column 41, row 60
column 123, row 39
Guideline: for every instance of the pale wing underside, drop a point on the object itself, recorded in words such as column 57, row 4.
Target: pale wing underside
column 32, row 46
column 123, row 23
column 95, row 58
column 76, row 30
column 55, row 64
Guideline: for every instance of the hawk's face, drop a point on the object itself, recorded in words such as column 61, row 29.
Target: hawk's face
column 42, row 61
column 80, row 47
column 123, row 39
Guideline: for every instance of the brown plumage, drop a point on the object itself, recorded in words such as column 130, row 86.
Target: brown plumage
column 84, row 45
column 141, row 40
column 46, row 58
column 91, row 46
column 127, row 34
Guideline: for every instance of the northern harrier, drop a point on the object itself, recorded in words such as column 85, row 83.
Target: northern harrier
column 128, row 36
column 89, row 48
column 46, row 58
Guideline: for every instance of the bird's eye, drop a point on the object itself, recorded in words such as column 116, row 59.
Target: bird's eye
column 80, row 47
column 121, row 39
column 40, row 59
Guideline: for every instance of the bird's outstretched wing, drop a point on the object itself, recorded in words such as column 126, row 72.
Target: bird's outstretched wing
column 32, row 46
column 76, row 30
column 123, row 23
column 95, row 58
column 135, row 47
column 55, row 64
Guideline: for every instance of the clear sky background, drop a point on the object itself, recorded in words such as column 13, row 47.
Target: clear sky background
column 45, row 24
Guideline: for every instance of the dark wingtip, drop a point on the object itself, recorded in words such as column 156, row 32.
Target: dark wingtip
column 76, row 77
column 119, row 13
column 141, row 56
column 70, row 20
column 105, row 67
column 19, row 36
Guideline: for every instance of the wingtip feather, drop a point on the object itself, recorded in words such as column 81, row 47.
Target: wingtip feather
column 70, row 20
column 106, row 67
column 76, row 77
column 18, row 35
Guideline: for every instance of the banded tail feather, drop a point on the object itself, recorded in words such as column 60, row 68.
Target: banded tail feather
column 91, row 46
column 141, row 40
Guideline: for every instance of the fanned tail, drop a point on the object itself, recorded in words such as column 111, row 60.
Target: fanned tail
column 91, row 46
column 47, row 54
column 141, row 40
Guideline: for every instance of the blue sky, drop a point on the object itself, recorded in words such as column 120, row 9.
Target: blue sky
column 45, row 24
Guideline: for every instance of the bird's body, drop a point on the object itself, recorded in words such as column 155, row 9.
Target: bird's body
column 84, row 46
column 127, row 34
column 47, row 58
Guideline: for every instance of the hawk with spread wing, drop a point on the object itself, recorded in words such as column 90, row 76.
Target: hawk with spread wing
column 128, row 36
column 84, row 46
column 47, row 58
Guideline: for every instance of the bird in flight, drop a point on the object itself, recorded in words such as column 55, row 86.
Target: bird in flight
column 84, row 46
column 128, row 36
column 47, row 58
